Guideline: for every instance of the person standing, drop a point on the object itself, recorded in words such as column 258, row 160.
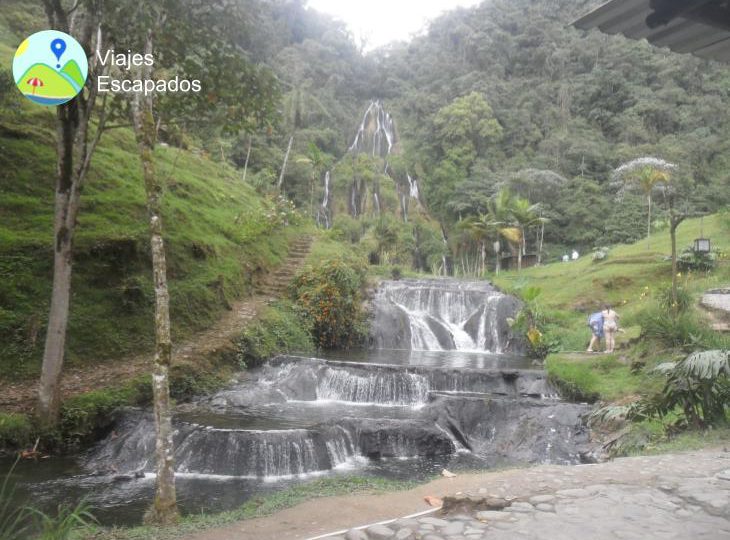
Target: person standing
column 610, row 327
column 595, row 321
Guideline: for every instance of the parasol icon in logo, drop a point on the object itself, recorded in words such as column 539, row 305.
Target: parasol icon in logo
column 50, row 67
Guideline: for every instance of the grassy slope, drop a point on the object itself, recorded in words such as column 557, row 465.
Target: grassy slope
column 217, row 232
column 629, row 279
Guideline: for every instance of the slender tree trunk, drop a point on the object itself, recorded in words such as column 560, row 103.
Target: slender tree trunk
column 648, row 226
column 286, row 159
column 311, row 198
column 484, row 257
column 673, row 233
column 74, row 152
column 542, row 241
column 248, row 155
column 164, row 508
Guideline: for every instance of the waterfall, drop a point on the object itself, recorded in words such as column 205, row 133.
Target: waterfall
column 387, row 388
column 376, row 134
column 439, row 315
column 413, row 187
column 205, row 450
column 376, row 203
column 324, row 211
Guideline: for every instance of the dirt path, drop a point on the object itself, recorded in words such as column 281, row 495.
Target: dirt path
column 322, row 516
column 21, row 396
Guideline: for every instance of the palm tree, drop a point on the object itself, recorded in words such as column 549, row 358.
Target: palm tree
column 524, row 215
column 501, row 217
column 646, row 173
column 482, row 229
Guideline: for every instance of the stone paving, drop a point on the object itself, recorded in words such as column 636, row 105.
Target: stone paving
column 682, row 496
column 716, row 303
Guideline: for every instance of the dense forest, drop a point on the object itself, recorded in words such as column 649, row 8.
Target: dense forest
column 501, row 95
column 504, row 98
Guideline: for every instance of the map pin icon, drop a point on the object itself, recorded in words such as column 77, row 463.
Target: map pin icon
column 58, row 46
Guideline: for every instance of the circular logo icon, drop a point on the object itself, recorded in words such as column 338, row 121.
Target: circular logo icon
column 50, row 67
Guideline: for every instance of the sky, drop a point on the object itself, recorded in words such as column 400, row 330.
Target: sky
column 383, row 21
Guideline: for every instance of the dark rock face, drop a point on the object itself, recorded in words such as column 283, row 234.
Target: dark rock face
column 499, row 415
column 444, row 314
column 399, row 438
column 505, row 430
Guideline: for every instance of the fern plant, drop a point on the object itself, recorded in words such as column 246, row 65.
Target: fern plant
column 699, row 385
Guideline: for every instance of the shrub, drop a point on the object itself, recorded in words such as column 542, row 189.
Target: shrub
column 698, row 387
column 278, row 330
column 691, row 260
column 666, row 301
column 699, row 384
column 599, row 254
column 533, row 323
column 676, row 331
column 16, row 430
column 330, row 298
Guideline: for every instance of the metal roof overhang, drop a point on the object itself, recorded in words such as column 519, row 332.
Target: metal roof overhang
column 699, row 27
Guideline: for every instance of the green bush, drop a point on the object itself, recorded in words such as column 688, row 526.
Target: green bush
column 672, row 330
column 278, row 330
column 330, row 298
column 691, row 260
column 666, row 300
column 533, row 324
column 16, row 430
column 699, row 385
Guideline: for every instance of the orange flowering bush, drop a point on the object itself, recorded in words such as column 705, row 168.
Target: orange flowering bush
column 330, row 299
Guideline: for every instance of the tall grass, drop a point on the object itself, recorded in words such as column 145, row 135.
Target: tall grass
column 15, row 520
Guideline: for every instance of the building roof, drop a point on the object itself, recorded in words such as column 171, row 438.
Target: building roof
column 699, row 27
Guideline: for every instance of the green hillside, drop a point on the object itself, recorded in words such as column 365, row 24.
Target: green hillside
column 54, row 85
column 630, row 278
column 72, row 70
column 220, row 235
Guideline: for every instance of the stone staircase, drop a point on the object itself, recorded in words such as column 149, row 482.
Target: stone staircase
column 276, row 285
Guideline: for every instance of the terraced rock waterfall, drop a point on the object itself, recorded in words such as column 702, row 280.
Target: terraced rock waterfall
column 442, row 387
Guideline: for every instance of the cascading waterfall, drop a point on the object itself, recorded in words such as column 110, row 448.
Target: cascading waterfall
column 323, row 216
column 376, row 133
column 384, row 388
column 413, row 185
column 437, row 315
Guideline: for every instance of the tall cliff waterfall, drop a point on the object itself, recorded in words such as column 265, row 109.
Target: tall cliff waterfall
column 442, row 314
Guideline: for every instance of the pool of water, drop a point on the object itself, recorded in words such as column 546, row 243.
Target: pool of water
column 403, row 415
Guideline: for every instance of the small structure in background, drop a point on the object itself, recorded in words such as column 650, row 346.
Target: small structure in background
column 702, row 246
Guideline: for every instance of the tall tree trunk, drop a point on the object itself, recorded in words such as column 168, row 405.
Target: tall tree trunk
column 286, row 159
column 484, row 257
column 74, row 152
column 248, row 155
column 648, row 226
column 675, row 220
column 542, row 241
column 164, row 508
